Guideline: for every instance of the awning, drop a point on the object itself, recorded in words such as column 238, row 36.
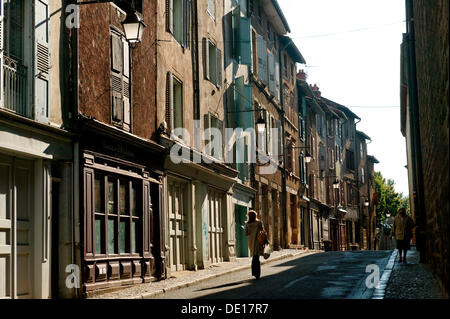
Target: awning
column 352, row 214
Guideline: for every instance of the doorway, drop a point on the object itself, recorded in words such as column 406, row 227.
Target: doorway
column 16, row 228
column 240, row 215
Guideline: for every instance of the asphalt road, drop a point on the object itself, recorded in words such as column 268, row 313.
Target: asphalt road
column 320, row 276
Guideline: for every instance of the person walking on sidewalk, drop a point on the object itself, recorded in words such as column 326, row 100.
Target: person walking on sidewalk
column 252, row 228
column 402, row 230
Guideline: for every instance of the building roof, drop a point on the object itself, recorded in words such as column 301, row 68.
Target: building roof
column 345, row 109
column 309, row 95
column 276, row 16
column 326, row 109
column 373, row 159
column 338, row 112
column 292, row 49
column 364, row 135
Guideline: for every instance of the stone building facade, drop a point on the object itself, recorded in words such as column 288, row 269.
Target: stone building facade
column 36, row 157
column 121, row 179
column 424, row 114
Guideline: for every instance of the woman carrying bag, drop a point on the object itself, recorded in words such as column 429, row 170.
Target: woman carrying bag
column 254, row 227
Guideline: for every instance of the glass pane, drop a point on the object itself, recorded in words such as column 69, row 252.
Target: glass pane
column 123, row 198
column 124, row 236
column 111, row 197
column 99, row 235
column 98, row 189
column 133, row 202
column 112, row 236
column 134, row 237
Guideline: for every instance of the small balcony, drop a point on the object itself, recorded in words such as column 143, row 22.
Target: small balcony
column 15, row 86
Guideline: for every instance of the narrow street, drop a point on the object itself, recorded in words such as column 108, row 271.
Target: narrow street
column 321, row 276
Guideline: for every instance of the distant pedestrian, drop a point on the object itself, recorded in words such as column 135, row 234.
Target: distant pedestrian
column 402, row 230
column 252, row 228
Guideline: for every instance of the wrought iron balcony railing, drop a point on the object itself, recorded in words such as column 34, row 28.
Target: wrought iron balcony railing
column 15, row 86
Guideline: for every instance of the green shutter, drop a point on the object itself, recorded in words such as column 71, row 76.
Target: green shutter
column 245, row 41
column 243, row 99
column 241, row 38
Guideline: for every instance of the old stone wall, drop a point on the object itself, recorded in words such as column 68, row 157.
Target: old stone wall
column 432, row 54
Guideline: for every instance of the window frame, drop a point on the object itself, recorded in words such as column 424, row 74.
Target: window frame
column 131, row 250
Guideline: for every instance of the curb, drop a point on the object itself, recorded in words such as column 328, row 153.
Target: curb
column 380, row 290
column 185, row 285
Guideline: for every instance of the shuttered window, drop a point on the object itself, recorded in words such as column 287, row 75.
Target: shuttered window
column 174, row 102
column 212, row 65
column 120, row 81
column 242, row 51
column 211, row 121
column 262, row 60
column 178, row 20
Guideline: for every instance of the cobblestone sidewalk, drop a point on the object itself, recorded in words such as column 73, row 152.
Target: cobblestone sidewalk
column 412, row 280
column 187, row 278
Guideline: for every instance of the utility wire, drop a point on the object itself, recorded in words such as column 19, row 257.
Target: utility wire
column 302, row 37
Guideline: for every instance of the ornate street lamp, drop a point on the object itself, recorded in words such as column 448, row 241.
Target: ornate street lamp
column 134, row 26
column 308, row 157
column 336, row 184
column 260, row 125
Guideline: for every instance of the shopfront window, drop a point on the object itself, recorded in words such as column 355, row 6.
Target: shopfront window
column 118, row 217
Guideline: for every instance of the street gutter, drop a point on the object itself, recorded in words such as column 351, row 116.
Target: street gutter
column 380, row 290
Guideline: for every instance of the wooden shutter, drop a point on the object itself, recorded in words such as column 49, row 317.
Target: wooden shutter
column 220, row 127
column 206, row 58
column 117, row 57
column 277, row 80
column 207, row 125
column 259, row 50
column 2, row 16
column 126, row 84
column 42, row 60
column 169, row 101
column 218, row 68
column 271, row 74
column 280, row 137
column 245, row 39
column 169, row 16
column 186, row 23
column 264, row 61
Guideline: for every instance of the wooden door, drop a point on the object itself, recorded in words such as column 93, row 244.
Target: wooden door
column 215, row 226
column 16, row 228
column 24, row 207
column 177, row 227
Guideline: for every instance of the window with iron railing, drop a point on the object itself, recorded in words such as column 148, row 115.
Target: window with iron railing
column 13, row 69
column 25, row 90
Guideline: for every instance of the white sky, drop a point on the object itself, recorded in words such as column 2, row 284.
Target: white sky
column 357, row 68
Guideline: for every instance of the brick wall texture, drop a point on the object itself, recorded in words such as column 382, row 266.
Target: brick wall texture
column 432, row 47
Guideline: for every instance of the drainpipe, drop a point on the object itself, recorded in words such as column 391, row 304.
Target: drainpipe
column 195, row 58
column 283, row 171
column 415, row 131
column 357, row 155
column 73, row 90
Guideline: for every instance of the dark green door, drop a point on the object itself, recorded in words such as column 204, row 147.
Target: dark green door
column 240, row 214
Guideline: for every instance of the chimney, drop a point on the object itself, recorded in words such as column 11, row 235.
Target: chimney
column 301, row 75
column 315, row 90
